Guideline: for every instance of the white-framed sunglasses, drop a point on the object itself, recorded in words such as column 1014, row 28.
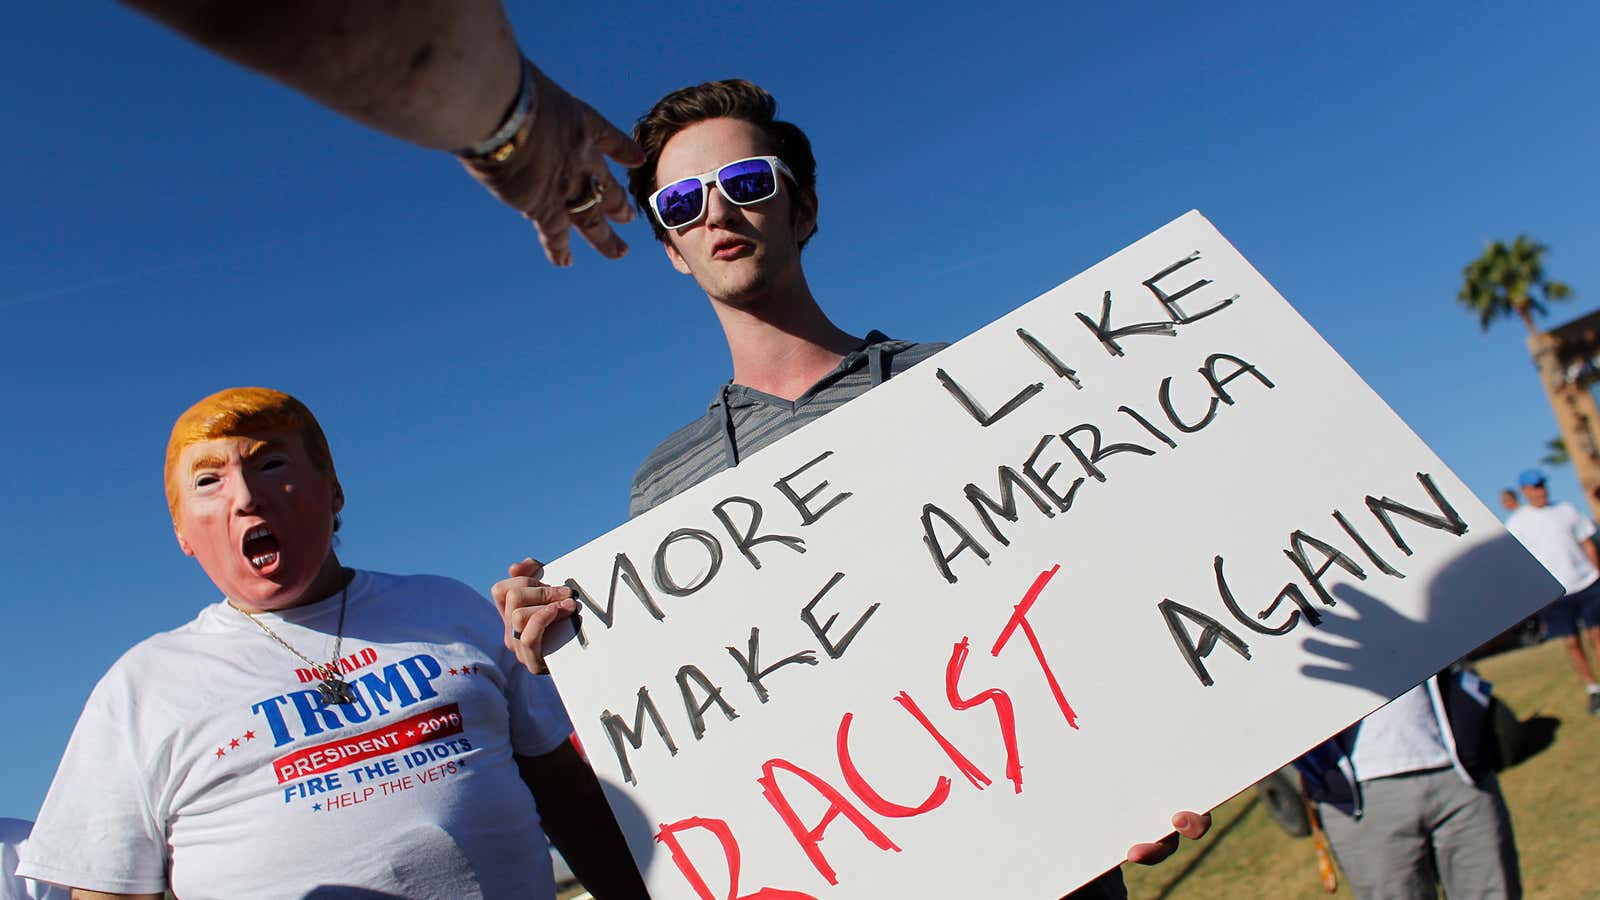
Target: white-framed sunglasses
column 743, row 182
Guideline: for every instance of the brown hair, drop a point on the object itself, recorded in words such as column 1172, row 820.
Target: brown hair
column 733, row 98
column 246, row 411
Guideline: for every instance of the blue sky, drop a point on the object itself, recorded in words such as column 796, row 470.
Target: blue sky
column 173, row 225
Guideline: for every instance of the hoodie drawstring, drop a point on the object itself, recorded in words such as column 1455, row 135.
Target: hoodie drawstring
column 730, row 450
column 875, row 367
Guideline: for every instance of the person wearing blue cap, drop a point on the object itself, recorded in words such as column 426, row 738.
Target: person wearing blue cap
column 1562, row 539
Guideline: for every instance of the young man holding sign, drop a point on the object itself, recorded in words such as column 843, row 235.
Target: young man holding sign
column 730, row 192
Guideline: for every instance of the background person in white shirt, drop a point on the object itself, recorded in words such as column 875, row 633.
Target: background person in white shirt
column 1562, row 539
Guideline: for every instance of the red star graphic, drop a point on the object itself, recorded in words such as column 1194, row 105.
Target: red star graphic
column 249, row 735
column 220, row 752
column 233, row 744
column 474, row 668
column 452, row 671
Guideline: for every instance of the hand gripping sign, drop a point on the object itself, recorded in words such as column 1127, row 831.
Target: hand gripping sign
column 1120, row 553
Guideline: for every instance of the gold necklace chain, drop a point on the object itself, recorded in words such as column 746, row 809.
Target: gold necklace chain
column 332, row 673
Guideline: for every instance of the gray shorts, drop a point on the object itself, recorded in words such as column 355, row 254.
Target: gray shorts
column 1423, row 828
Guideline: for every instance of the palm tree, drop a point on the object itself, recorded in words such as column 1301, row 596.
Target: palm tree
column 1555, row 452
column 1509, row 280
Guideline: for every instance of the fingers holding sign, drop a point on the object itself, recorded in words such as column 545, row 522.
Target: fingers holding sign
column 528, row 607
column 1191, row 825
column 553, row 170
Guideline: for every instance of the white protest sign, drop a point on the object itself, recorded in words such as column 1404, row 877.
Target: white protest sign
column 1120, row 553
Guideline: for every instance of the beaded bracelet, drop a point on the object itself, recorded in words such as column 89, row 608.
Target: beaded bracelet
column 499, row 146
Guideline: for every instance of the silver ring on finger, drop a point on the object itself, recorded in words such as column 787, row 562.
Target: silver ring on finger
column 597, row 192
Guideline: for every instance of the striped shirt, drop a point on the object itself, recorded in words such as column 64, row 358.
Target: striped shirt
column 742, row 420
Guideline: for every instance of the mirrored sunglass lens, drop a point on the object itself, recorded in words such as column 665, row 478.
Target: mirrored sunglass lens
column 748, row 181
column 679, row 203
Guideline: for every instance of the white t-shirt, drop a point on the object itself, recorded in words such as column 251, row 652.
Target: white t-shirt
column 206, row 763
column 1554, row 535
column 1402, row 736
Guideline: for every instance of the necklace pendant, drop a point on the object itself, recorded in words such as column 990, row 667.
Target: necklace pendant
column 336, row 690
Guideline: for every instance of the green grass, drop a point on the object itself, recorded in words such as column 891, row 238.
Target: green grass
column 1553, row 801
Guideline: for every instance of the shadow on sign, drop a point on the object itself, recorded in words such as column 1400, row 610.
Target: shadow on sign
column 1338, row 640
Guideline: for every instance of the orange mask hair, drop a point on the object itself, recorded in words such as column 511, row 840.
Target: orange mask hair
column 244, row 411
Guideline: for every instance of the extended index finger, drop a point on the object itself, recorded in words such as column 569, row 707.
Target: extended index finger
column 612, row 141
